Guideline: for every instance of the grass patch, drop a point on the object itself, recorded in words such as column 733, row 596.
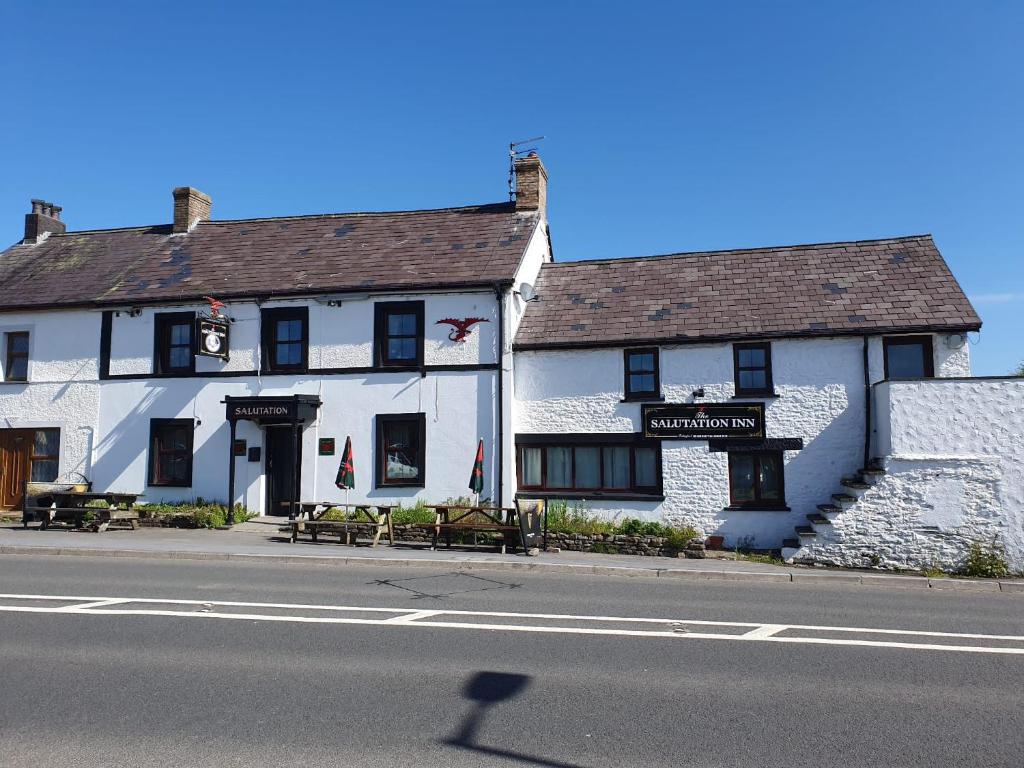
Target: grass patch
column 986, row 561
column 760, row 557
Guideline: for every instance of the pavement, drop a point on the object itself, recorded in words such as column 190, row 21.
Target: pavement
column 162, row 662
column 261, row 541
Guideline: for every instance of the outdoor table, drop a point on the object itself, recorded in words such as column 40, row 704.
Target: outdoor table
column 71, row 506
column 448, row 518
column 362, row 515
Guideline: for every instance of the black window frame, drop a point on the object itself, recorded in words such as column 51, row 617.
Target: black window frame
column 40, row 457
column 758, row 503
column 628, row 393
column 381, row 311
column 269, row 319
column 162, row 324
column 769, row 388
column 926, row 341
column 420, row 422
column 10, row 354
column 632, row 441
column 155, row 426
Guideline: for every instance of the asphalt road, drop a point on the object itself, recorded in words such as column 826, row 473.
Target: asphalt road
column 155, row 690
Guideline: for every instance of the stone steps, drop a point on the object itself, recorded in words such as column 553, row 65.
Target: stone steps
column 805, row 530
column 829, row 509
column 853, row 482
column 817, row 518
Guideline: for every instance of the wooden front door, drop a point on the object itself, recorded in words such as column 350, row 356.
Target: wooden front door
column 15, row 455
column 284, row 464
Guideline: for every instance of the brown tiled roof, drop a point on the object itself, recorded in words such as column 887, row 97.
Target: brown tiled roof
column 478, row 245
column 900, row 284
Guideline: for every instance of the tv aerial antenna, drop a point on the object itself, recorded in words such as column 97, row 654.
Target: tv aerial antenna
column 516, row 150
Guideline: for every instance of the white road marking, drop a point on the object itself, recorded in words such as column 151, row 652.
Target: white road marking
column 679, row 629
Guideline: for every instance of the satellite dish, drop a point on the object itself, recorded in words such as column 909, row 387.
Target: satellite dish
column 527, row 291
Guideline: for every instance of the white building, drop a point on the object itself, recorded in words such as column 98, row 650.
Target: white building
column 775, row 397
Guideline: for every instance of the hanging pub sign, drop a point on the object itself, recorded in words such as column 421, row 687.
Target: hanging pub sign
column 213, row 338
column 700, row 421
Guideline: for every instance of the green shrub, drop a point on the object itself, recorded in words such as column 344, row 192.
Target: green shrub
column 986, row 562
column 676, row 538
column 199, row 514
column 576, row 519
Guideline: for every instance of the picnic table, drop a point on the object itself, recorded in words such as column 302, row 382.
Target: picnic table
column 72, row 507
column 454, row 518
column 377, row 517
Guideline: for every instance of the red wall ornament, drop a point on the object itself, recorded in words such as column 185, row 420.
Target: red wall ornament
column 461, row 328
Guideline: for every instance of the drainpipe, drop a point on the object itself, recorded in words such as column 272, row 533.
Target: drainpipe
column 499, row 294
column 867, row 408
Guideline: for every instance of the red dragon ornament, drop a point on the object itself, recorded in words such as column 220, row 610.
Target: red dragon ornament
column 461, row 327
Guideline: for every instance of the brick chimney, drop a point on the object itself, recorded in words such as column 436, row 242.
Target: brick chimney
column 531, row 184
column 190, row 207
column 44, row 220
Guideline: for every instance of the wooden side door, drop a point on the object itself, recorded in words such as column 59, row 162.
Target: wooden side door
column 15, row 455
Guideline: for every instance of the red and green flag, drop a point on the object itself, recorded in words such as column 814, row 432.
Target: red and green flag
column 476, row 480
column 346, row 479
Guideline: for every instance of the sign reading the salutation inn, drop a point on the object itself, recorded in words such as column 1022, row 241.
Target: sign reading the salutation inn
column 704, row 420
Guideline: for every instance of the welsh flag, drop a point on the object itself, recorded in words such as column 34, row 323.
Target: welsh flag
column 346, row 478
column 476, row 480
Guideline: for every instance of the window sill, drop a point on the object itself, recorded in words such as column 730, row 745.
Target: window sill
column 14, row 381
column 168, row 485
column 643, row 399
column 382, row 486
column 755, row 395
column 757, row 508
column 526, row 493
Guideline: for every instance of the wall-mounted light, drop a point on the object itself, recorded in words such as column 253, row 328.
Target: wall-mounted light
column 699, row 392
column 134, row 311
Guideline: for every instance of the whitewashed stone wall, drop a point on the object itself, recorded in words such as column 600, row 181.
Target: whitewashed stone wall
column 820, row 383
column 953, row 453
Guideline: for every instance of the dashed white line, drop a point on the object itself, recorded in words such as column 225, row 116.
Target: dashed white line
column 675, row 628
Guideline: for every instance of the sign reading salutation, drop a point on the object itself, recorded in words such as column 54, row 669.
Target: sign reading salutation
column 704, row 420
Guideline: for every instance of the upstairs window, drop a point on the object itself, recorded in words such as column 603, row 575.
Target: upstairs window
column 285, row 339
column 753, row 369
column 173, row 343
column 170, row 452
column 908, row 357
column 755, row 480
column 16, row 357
column 399, row 333
column 643, row 379
column 401, row 449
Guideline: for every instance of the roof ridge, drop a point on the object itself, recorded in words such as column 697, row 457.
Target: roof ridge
column 167, row 225
column 769, row 248
column 503, row 205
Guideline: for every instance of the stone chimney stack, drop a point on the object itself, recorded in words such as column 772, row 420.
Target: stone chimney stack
column 531, row 184
column 44, row 220
column 190, row 207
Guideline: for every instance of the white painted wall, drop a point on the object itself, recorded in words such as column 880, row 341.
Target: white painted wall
column 340, row 336
column 821, row 399
column 458, row 408
column 953, row 451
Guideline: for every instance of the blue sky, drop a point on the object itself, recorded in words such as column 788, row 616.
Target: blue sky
column 670, row 127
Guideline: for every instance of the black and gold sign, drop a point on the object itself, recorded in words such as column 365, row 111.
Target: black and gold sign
column 213, row 338
column 700, row 421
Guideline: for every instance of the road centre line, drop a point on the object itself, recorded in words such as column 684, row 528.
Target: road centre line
column 757, row 632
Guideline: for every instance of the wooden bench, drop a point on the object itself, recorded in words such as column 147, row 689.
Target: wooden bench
column 71, row 507
column 456, row 518
column 346, row 530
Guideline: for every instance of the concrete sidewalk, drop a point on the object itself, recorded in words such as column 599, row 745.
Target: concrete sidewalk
column 264, row 543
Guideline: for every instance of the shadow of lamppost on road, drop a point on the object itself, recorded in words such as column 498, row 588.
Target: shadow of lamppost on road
column 488, row 689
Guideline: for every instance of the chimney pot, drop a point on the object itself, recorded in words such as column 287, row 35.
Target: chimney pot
column 531, row 184
column 44, row 220
column 190, row 207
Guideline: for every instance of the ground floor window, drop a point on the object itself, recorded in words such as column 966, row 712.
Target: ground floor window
column 756, row 480
column 401, row 449
column 583, row 466
column 45, row 456
column 170, row 452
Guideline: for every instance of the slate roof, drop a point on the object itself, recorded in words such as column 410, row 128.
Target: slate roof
column 899, row 284
column 449, row 247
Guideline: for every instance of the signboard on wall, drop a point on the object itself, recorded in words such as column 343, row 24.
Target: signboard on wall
column 700, row 421
column 213, row 338
column 326, row 446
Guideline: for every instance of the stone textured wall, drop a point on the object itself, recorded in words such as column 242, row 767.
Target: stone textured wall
column 953, row 453
column 820, row 383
